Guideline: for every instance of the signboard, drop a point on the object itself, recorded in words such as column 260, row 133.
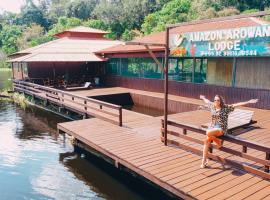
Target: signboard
column 236, row 42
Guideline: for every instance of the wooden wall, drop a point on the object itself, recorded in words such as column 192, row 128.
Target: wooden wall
column 253, row 72
column 158, row 103
column 17, row 71
column 192, row 90
column 219, row 71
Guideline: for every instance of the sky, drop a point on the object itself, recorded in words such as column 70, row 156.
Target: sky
column 11, row 5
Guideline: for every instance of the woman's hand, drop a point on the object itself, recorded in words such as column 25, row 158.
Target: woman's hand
column 253, row 101
column 202, row 97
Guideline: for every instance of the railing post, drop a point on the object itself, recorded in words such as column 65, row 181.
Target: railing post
column 85, row 102
column 100, row 107
column 184, row 131
column 162, row 132
column 244, row 149
column 267, row 157
column 120, row 117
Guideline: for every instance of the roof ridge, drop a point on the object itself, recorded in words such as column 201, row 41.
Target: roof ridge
column 259, row 21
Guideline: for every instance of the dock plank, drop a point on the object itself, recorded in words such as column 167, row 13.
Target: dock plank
column 136, row 145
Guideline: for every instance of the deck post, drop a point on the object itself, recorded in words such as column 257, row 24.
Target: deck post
column 120, row 117
column 166, row 85
column 267, row 157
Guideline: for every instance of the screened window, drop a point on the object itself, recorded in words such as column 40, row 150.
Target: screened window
column 134, row 67
column 180, row 69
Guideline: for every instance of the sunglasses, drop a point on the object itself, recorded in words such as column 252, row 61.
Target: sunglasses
column 216, row 100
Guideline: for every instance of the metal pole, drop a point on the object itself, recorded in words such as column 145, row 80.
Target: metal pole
column 166, row 85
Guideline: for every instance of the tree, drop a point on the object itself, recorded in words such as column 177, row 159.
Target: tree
column 8, row 37
column 228, row 12
column 110, row 13
column 57, row 9
column 30, row 14
column 131, row 34
column 63, row 24
column 30, row 36
column 95, row 23
column 81, row 9
column 174, row 11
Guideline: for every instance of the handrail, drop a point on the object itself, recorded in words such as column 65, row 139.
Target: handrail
column 68, row 94
column 60, row 96
column 229, row 138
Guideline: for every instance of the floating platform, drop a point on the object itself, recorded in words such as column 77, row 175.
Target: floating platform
column 136, row 146
column 131, row 141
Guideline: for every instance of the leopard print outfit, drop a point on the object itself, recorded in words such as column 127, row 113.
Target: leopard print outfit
column 220, row 117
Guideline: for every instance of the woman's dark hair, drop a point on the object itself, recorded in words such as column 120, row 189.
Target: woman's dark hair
column 222, row 101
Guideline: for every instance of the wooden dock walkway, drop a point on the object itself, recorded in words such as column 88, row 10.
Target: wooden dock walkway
column 132, row 140
column 137, row 146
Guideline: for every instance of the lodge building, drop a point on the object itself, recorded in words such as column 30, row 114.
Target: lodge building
column 229, row 57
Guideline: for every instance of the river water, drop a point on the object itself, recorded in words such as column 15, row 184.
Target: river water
column 35, row 164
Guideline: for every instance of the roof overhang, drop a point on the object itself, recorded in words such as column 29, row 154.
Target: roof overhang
column 59, row 57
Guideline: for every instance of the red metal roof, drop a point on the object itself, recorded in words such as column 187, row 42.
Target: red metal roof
column 160, row 37
column 65, row 49
column 59, row 57
column 82, row 31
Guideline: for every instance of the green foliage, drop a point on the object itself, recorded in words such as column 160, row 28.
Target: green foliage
column 81, row 9
column 95, row 23
column 123, row 19
column 29, row 35
column 30, row 14
column 250, row 11
column 173, row 12
column 20, row 100
column 8, row 37
column 128, row 35
column 64, row 23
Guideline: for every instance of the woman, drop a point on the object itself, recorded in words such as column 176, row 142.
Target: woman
column 219, row 123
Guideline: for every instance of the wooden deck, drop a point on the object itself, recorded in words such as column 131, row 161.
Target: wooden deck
column 137, row 146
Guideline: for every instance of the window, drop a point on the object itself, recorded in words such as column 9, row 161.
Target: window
column 200, row 71
column 134, row 67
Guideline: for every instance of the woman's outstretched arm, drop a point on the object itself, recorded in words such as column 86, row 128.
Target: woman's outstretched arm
column 202, row 97
column 251, row 101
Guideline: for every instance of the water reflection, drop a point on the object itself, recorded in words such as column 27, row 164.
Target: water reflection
column 35, row 164
column 31, row 166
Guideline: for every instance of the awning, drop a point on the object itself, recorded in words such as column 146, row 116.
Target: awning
column 59, row 57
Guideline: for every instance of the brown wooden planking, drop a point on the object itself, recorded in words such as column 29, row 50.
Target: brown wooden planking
column 262, row 194
column 159, row 161
column 220, row 188
column 251, row 190
column 235, row 190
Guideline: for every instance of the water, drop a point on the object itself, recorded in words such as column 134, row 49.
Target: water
column 35, row 164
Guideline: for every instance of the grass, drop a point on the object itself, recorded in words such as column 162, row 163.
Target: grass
column 16, row 98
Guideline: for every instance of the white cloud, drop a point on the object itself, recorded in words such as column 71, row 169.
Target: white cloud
column 11, row 5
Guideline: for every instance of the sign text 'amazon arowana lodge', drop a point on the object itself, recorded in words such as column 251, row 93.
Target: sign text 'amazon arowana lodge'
column 244, row 41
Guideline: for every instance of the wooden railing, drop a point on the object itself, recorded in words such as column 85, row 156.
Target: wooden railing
column 83, row 105
column 245, row 146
